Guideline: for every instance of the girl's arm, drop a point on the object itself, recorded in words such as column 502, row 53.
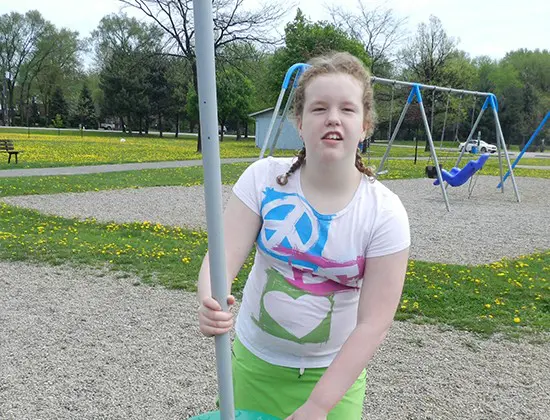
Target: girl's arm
column 380, row 295
column 241, row 226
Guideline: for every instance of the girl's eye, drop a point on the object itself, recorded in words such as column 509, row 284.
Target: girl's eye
column 318, row 109
column 349, row 110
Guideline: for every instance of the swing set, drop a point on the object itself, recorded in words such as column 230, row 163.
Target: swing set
column 454, row 177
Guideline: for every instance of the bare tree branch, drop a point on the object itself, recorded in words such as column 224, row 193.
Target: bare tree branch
column 378, row 29
column 232, row 23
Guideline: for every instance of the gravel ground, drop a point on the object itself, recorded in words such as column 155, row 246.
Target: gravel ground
column 485, row 228
column 77, row 343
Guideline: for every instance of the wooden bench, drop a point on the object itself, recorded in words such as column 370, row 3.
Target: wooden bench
column 6, row 146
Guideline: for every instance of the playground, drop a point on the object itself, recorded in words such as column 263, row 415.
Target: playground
column 100, row 316
column 99, row 313
column 99, row 310
column 85, row 342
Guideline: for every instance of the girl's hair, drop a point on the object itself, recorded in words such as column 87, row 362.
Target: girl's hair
column 335, row 63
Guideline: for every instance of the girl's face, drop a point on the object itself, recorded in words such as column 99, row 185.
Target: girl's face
column 332, row 124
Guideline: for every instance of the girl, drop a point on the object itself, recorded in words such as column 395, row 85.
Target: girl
column 331, row 255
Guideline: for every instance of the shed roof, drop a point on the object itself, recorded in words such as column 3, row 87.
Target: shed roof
column 263, row 111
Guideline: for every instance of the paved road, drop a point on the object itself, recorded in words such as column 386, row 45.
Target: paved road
column 94, row 169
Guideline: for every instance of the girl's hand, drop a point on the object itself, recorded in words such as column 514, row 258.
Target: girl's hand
column 212, row 320
column 309, row 411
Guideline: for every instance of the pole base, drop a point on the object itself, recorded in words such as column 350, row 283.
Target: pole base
column 239, row 415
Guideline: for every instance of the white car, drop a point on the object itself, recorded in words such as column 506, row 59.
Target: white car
column 107, row 126
column 482, row 147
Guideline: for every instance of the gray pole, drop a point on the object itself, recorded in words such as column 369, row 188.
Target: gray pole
column 432, row 147
column 392, row 139
column 501, row 135
column 375, row 79
column 472, row 131
column 282, row 120
column 206, row 73
column 272, row 123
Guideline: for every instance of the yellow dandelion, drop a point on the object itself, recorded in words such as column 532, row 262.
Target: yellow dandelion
column 517, row 319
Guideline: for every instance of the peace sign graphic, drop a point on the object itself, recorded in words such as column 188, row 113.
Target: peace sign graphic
column 290, row 223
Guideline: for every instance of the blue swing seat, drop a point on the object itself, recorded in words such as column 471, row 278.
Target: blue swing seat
column 456, row 176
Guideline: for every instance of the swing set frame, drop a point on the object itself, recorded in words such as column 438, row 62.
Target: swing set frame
column 416, row 93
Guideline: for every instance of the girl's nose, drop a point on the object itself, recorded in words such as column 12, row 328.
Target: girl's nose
column 333, row 117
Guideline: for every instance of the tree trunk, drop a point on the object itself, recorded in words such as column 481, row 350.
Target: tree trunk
column 177, row 124
column 238, row 130
column 222, row 125
column 246, row 129
column 196, row 84
column 160, row 124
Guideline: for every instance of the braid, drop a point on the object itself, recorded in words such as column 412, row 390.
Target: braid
column 367, row 170
column 283, row 179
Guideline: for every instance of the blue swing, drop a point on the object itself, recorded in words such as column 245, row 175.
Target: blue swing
column 456, row 176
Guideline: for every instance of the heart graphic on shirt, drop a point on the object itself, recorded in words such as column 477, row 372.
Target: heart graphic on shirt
column 298, row 316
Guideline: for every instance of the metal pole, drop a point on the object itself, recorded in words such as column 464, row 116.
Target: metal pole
column 272, row 122
column 206, row 73
column 472, row 131
column 394, row 135
column 391, row 111
column 499, row 131
column 432, row 147
column 445, row 121
column 526, row 147
column 281, row 122
column 429, row 87
column 300, row 67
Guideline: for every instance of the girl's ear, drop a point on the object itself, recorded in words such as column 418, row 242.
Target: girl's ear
column 299, row 125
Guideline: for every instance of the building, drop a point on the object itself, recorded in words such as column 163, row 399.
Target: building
column 288, row 139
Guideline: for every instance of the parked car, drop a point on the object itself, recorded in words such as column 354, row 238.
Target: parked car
column 107, row 126
column 482, row 147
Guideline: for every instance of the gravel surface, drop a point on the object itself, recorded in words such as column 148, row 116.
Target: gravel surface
column 77, row 343
column 485, row 228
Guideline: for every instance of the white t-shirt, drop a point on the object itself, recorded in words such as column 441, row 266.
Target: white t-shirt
column 300, row 300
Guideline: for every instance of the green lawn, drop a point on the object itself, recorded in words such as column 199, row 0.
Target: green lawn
column 70, row 149
column 510, row 296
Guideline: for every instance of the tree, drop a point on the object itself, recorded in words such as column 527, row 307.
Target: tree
column 253, row 65
column 179, row 75
column 120, row 34
column 305, row 40
column 428, row 52
column 192, row 106
column 159, row 89
column 85, row 109
column 234, row 92
column 378, row 29
column 126, row 50
column 19, row 35
column 232, row 23
column 59, row 109
column 55, row 62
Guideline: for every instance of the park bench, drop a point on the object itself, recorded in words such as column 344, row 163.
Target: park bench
column 6, row 146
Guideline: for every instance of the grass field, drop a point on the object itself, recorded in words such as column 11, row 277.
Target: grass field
column 47, row 150
column 510, row 296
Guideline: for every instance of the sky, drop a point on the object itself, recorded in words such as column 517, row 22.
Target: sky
column 483, row 27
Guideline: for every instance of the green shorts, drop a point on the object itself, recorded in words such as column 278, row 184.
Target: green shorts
column 279, row 391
